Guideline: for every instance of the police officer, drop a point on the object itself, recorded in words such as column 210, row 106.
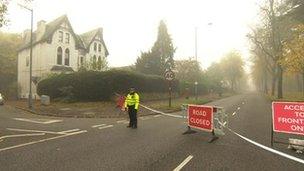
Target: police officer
column 131, row 105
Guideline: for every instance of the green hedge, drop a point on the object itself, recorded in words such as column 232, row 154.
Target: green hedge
column 91, row 85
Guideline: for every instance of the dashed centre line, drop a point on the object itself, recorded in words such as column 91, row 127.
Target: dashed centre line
column 233, row 113
column 21, row 135
column 95, row 126
column 122, row 121
column 69, row 131
column 107, row 126
column 180, row 166
column 144, row 118
column 37, row 131
column 238, row 108
column 38, row 121
column 43, row 140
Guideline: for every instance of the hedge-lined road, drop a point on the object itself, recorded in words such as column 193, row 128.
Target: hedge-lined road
column 31, row 142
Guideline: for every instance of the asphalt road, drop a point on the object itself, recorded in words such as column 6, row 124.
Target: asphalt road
column 32, row 142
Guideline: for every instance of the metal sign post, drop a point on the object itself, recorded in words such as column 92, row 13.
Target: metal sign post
column 287, row 117
column 211, row 119
column 169, row 75
column 170, row 93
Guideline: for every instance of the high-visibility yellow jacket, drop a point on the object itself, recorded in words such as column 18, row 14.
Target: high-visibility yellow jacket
column 132, row 99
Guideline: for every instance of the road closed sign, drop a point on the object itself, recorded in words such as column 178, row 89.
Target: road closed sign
column 288, row 117
column 200, row 117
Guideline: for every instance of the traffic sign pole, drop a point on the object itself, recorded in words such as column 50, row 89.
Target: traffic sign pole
column 170, row 93
column 271, row 139
column 169, row 75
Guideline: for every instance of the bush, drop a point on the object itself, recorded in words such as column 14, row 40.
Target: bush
column 92, row 86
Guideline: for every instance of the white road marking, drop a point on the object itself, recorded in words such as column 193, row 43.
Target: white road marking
column 94, row 126
column 180, row 166
column 28, row 130
column 40, row 141
column 69, row 131
column 104, row 127
column 39, row 121
column 21, row 135
column 162, row 113
column 246, row 139
column 156, row 116
column 144, row 118
column 268, row 148
column 122, row 121
column 243, row 102
column 238, row 108
column 233, row 113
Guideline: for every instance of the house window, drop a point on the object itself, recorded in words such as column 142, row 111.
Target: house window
column 99, row 63
column 95, row 46
column 99, row 47
column 60, row 36
column 27, row 61
column 67, row 38
column 59, row 56
column 67, row 57
column 81, row 61
column 94, row 65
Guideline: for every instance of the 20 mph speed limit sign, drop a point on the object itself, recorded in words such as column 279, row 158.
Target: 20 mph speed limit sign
column 169, row 75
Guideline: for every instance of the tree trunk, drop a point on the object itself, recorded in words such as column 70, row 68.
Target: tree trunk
column 273, row 84
column 303, row 84
column 265, row 83
column 299, row 85
column 280, row 82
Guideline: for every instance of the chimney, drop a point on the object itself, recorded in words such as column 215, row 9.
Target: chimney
column 26, row 35
column 40, row 29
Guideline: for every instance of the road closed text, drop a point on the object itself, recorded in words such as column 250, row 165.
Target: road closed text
column 200, row 117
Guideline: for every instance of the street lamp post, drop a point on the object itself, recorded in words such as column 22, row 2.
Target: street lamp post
column 196, row 79
column 30, row 103
column 196, row 83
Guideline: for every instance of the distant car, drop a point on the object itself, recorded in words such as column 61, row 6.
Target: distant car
column 1, row 99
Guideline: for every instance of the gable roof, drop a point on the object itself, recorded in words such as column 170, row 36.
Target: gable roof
column 50, row 28
column 88, row 37
column 82, row 41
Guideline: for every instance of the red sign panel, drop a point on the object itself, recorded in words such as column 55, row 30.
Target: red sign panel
column 200, row 117
column 288, row 117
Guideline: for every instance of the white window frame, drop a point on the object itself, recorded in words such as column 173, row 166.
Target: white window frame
column 60, row 36
column 67, row 38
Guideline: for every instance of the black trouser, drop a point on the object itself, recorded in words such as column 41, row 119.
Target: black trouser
column 132, row 115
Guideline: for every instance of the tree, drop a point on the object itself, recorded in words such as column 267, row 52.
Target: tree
column 215, row 77
column 233, row 69
column 161, row 55
column 3, row 11
column 294, row 52
column 8, row 61
column 275, row 29
column 188, row 70
column 260, row 72
column 149, row 63
column 164, row 48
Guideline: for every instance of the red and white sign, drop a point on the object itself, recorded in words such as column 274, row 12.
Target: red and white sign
column 200, row 117
column 288, row 117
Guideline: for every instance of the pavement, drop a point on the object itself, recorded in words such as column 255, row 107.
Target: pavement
column 35, row 142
